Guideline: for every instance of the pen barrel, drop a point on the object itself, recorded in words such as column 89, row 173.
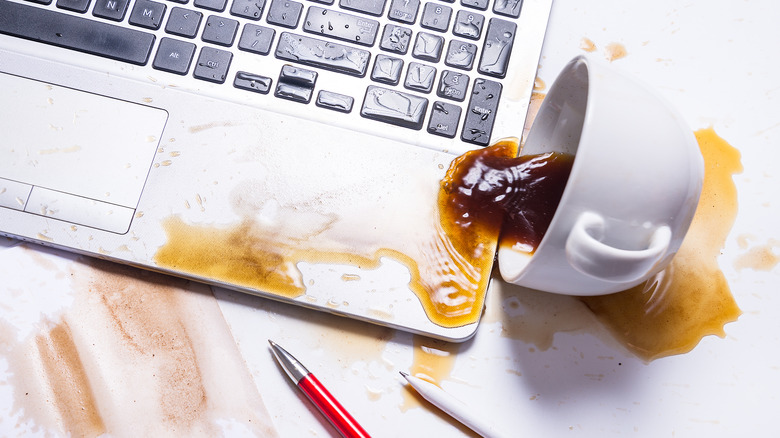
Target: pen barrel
column 331, row 408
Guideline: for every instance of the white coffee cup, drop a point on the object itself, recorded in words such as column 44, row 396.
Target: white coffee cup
column 632, row 192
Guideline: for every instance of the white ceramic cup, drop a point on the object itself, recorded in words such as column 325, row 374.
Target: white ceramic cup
column 632, row 192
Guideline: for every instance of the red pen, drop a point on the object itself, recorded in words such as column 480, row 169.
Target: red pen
column 322, row 399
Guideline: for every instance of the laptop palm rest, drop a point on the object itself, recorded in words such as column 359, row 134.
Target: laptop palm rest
column 75, row 156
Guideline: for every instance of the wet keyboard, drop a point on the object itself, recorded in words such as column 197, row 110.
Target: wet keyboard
column 433, row 65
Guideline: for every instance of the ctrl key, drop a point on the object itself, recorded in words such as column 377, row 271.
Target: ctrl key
column 212, row 65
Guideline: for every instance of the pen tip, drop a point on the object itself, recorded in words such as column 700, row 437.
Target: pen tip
column 273, row 344
column 404, row 374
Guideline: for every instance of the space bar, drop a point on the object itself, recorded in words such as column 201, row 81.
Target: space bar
column 75, row 33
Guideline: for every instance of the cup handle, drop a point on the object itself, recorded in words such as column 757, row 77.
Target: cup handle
column 588, row 254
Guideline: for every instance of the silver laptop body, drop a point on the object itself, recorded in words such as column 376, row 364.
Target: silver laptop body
column 286, row 149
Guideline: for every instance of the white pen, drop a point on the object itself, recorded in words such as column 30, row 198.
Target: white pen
column 452, row 406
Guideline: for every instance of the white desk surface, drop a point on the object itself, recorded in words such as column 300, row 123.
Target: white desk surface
column 717, row 62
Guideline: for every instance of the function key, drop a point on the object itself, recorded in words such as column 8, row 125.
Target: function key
column 394, row 107
column 436, row 17
column 371, row 7
column 510, row 8
column 468, row 24
column 404, row 11
column 497, row 47
column 251, row 9
column 481, row 112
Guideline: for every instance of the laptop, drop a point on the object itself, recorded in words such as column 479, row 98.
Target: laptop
column 288, row 149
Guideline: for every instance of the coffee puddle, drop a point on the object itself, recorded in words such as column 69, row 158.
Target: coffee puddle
column 670, row 313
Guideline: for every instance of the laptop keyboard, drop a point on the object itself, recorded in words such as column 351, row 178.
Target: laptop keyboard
column 435, row 65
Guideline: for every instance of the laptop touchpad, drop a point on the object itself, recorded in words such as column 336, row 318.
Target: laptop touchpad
column 72, row 155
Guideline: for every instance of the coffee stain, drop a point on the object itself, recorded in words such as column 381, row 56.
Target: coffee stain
column 761, row 257
column 670, row 313
column 132, row 356
column 615, row 51
column 587, row 45
column 432, row 360
column 65, row 382
column 450, row 284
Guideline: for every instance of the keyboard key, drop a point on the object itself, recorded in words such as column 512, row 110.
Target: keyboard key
column 460, row 54
column 251, row 9
column 183, row 22
column 335, row 101
column 322, row 54
column 76, row 33
column 220, row 30
column 284, row 13
column 371, row 7
column 444, row 119
column 428, row 47
column 396, row 39
column 478, row 4
column 341, row 26
column 420, row 77
column 453, row 85
column 296, row 84
column 387, row 69
column 404, row 11
column 213, row 65
column 174, row 56
column 394, row 107
column 481, row 112
column 497, row 47
column 252, row 82
column 74, row 5
column 147, row 14
column 468, row 24
column 436, row 17
column 509, row 8
column 110, row 9
column 213, row 5
column 256, row 39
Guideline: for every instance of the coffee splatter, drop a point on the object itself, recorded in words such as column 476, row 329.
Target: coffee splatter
column 670, row 313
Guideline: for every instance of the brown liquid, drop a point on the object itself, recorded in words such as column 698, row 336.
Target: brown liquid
column 491, row 190
column 670, row 313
